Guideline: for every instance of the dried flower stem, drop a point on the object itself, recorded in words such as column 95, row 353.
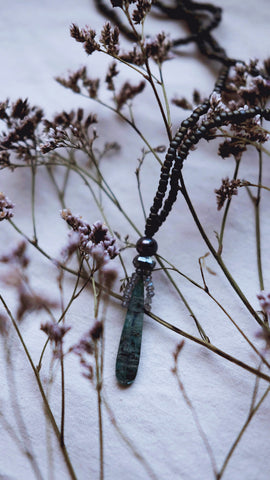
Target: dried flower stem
column 226, row 211
column 257, row 202
column 185, row 302
column 43, row 395
column 215, row 254
column 27, row 447
column 242, row 431
column 195, row 416
column 33, row 195
column 209, row 346
column 206, row 289
column 128, row 442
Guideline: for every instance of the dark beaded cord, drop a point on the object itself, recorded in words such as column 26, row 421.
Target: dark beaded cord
column 156, row 218
column 171, row 168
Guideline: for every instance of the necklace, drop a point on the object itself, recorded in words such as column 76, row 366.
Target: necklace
column 140, row 289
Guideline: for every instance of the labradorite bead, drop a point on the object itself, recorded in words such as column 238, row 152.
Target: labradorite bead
column 146, row 246
column 143, row 263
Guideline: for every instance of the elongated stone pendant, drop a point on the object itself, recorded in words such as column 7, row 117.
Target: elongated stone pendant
column 128, row 356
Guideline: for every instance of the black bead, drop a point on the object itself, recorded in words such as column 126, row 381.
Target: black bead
column 173, row 144
column 223, row 115
column 185, row 123
column 182, row 130
column 266, row 114
column 203, row 128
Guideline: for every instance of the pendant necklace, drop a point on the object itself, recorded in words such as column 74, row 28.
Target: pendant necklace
column 190, row 132
column 140, row 290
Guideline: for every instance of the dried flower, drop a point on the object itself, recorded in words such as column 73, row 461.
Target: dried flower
column 55, row 334
column 226, row 191
column 29, row 302
column 232, row 147
column 17, row 255
column 264, row 334
column 54, row 331
column 6, row 207
column 4, row 325
column 86, row 36
column 264, row 299
column 94, row 241
column 109, row 38
column 79, row 79
column 182, row 103
column 134, row 56
column 22, row 122
column 128, row 92
column 117, row 3
column 158, row 49
column 68, row 130
column 96, row 331
column 142, row 9
column 111, row 74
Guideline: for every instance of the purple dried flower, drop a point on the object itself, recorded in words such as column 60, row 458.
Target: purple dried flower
column 6, row 207
column 54, row 331
column 226, row 191
column 264, row 299
column 95, row 241
column 29, row 302
column 17, row 255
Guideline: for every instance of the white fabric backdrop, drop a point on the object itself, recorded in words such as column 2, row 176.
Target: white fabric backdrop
column 35, row 46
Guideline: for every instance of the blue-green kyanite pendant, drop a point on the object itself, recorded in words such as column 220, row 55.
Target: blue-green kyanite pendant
column 128, row 356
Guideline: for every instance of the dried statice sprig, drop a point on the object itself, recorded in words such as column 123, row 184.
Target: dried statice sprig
column 28, row 301
column 128, row 92
column 157, row 48
column 94, row 241
column 248, row 86
column 55, row 334
column 226, row 191
column 68, row 130
column 111, row 74
column 143, row 7
column 264, row 299
column 17, row 256
column 32, row 302
column 79, row 81
column 6, row 207
column 22, row 123
column 85, row 349
column 108, row 43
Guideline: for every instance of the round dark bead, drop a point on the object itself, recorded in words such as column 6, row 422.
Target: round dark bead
column 182, row 130
column 266, row 114
column 186, row 123
column 146, row 246
column 192, row 138
column 223, row 115
column 195, row 116
column 173, row 144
